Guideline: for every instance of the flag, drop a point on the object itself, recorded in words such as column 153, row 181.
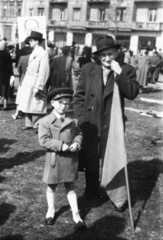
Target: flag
column 115, row 158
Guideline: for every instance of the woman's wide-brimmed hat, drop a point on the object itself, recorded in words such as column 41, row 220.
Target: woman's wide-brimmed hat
column 105, row 42
column 35, row 35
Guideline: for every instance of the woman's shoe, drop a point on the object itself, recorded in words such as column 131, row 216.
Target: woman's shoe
column 15, row 117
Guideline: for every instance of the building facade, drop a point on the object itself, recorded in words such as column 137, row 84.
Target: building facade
column 134, row 23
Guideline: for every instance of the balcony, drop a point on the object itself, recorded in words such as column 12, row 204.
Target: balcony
column 96, row 24
column 104, row 1
column 147, row 26
column 58, row 1
column 58, row 23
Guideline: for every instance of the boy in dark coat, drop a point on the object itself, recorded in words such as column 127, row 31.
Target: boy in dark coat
column 60, row 135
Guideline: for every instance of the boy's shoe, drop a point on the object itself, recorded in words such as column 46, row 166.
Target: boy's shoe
column 49, row 221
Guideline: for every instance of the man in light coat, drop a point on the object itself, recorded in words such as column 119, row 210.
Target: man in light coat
column 33, row 102
column 93, row 103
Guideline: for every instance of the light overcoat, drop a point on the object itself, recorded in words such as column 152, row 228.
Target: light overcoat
column 36, row 77
column 52, row 134
column 92, row 105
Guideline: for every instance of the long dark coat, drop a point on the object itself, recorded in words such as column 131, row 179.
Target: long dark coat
column 52, row 134
column 60, row 72
column 6, row 70
column 92, row 105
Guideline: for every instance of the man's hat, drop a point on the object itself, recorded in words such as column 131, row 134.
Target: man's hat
column 55, row 94
column 105, row 42
column 35, row 35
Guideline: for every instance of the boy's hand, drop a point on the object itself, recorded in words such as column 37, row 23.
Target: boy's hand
column 74, row 147
column 65, row 147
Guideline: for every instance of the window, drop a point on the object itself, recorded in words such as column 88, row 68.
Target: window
column 59, row 14
column 40, row 11
column 101, row 14
column 62, row 14
column 5, row 11
column 19, row 12
column 152, row 15
column 31, row 12
column 97, row 14
column 121, row 12
column 12, row 10
column 76, row 14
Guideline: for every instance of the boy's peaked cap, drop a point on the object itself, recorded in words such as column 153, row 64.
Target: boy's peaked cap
column 55, row 94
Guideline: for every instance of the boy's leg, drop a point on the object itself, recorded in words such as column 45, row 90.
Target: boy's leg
column 72, row 199
column 50, row 195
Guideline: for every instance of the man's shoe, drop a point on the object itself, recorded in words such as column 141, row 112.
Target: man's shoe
column 35, row 130
column 26, row 128
column 123, row 208
column 80, row 226
column 49, row 221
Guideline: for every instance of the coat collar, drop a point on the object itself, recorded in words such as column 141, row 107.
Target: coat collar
column 97, row 82
column 57, row 122
column 38, row 50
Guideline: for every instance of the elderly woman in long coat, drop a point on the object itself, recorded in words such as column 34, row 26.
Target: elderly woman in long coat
column 33, row 102
column 141, row 65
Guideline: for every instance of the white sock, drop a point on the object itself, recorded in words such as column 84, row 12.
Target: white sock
column 72, row 199
column 50, row 200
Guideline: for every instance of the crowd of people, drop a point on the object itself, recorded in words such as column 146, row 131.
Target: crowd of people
column 86, row 141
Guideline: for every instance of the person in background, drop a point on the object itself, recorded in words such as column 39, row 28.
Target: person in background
column 60, row 136
column 24, row 51
column 51, row 51
column 153, row 69
column 6, row 74
column 92, row 106
column 60, row 70
column 33, row 90
column 86, row 56
column 141, row 66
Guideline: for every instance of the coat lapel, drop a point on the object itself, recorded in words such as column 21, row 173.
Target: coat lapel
column 57, row 122
column 96, row 80
column 35, row 53
column 109, row 85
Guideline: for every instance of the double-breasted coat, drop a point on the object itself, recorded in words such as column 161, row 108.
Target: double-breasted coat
column 92, row 105
column 52, row 134
column 36, row 77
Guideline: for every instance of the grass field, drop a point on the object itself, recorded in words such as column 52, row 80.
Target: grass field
column 22, row 192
